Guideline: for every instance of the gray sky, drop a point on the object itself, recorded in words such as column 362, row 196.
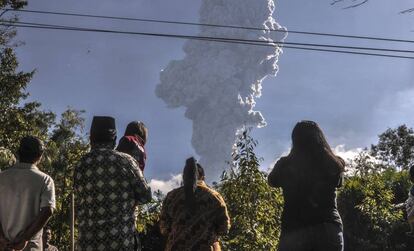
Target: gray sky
column 353, row 98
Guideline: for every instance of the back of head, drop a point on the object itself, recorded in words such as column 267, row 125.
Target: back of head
column 30, row 150
column 190, row 174
column 137, row 128
column 103, row 130
column 307, row 136
column 309, row 142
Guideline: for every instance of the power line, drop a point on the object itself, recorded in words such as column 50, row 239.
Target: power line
column 214, row 25
column 224, row 38
column 212, row 39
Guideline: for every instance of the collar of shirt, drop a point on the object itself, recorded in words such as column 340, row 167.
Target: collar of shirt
column 22, row 165
column 104, row 146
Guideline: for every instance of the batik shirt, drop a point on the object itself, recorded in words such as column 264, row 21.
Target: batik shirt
column 409, row 206
column 195, row 230
column 108, row 185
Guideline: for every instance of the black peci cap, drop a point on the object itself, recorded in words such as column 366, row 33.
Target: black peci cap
column 103, row 128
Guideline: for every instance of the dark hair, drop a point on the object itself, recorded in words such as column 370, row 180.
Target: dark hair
column 190, row 174
column 307, row 137
column 30, row 150
column 137, row 128
column 412, row 172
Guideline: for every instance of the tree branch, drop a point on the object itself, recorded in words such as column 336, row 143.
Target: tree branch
column 407, row 11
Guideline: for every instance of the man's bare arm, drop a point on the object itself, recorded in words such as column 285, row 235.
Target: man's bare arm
column 37, row 224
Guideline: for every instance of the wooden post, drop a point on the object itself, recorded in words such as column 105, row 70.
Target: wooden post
column 72, row 222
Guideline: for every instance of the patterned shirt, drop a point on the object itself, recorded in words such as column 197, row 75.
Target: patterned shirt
column 197, row 230
column 409, row 206
column 108, row 185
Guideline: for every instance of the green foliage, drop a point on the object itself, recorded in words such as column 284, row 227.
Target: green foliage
column 254, row 208
column 18, row 120
column 7, row 158
column 65, row 146
column 64, row 141
column 147, row 223
column 367, row 207
column 396, row 147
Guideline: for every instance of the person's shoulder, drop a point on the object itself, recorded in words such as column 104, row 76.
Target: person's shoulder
column 212, row 193
column 283, row 161
column 174, row 195
column 87, row 158
column 175, row 192
column 124, row 157
column 42, row 175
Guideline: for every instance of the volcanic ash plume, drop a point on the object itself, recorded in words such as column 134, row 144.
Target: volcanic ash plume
column 217, row 83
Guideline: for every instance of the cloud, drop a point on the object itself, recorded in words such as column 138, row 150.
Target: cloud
column 166, row 185
column 218, row 83
column 347, row 154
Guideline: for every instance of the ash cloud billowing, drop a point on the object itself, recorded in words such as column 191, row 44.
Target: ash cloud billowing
column 217, row 83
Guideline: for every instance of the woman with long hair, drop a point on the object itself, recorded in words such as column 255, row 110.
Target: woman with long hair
column 133, row 142
column 309, row 176
column 193, row 216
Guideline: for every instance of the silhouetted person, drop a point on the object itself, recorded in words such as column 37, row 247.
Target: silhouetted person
column 108, row 185
column 133, row 142
column 409, row 204
column 27, row 199
column 194, row 215
column 309, row 176
column 47, row 236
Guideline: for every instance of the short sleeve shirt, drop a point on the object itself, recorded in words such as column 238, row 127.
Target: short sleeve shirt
column 24, row 190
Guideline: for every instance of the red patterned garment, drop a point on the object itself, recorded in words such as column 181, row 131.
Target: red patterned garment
column 134, row 146
column 196, row 230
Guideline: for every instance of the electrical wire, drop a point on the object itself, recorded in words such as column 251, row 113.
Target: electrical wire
column 212, row 39
column 213, row 25
column 219, row 38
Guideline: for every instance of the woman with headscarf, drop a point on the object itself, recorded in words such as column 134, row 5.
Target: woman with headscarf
column 133, row 142
column 193, row 216
column 309, row 176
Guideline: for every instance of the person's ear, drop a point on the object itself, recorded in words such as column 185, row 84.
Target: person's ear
column 38, row 160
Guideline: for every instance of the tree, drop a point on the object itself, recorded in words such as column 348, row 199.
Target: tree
column 64, row 140
column 354, row 3
column 395, row 147
column 17, row 120
column 367, row 206
column 348, row 4
column 147, row 219
column 7, row 158
column 66, row 144
column 254, row 207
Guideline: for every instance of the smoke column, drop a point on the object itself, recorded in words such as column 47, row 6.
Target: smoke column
column 217, row 83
